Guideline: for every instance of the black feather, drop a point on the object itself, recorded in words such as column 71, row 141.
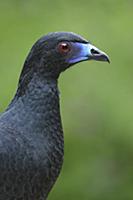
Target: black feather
column 31, row 135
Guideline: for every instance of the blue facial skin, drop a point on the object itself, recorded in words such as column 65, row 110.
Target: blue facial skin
column 86, row 51
column 80, row 52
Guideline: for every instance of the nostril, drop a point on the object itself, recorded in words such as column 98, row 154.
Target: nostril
column 93, row 51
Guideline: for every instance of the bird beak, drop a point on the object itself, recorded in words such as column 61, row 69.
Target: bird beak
column 96, row 54
column 86, row 51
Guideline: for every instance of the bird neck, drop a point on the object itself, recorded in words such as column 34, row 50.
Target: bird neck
column 38, row 104
column 36, row 89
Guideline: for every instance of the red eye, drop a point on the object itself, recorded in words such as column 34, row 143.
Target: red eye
column 64, row 47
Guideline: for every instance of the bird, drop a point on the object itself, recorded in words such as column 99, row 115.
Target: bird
column 31, row 132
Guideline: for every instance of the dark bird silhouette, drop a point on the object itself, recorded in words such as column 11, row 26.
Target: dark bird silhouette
column 31, row 135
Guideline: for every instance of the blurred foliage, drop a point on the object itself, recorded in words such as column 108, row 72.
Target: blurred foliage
column 96, row 98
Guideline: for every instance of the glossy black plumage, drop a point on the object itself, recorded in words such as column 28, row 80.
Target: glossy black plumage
column 31, row 135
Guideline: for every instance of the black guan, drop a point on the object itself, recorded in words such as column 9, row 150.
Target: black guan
column 31, row 134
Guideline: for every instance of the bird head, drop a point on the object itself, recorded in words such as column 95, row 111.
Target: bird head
column 57, row 51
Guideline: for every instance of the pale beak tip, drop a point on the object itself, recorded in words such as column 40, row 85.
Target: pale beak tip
column 97, row 54
column 107, row 59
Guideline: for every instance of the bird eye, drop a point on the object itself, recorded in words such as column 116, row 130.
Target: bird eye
column 64, row 47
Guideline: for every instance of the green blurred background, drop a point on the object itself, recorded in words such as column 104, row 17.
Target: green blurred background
column 96, row 98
